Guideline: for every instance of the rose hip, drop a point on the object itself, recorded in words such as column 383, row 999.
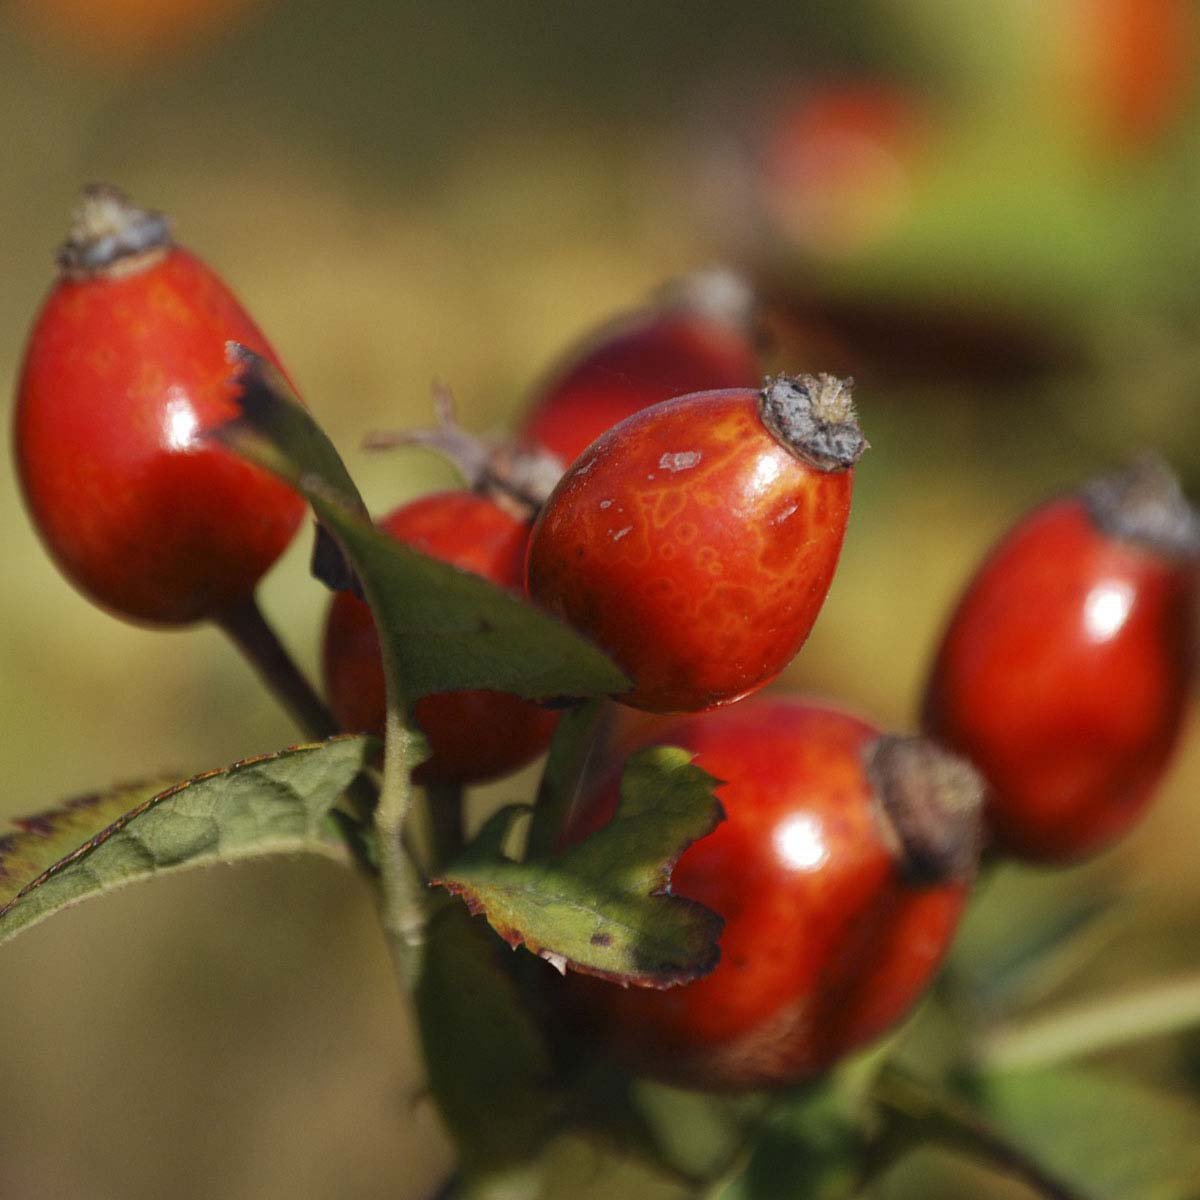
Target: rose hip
column 1065, row 670
column 696, row 541
column 841, row 870
column 124, row 373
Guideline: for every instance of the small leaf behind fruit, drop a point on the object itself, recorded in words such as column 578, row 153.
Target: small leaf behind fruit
column 442, row 629
column 1110, row 1138
column 274, row 804
column 489, row 1067
column 604, row 906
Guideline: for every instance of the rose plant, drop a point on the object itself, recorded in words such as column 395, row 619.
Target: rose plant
column 723, row 919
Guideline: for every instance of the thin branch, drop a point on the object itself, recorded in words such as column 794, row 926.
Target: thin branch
column 915, row 1111
column 250, row 631
column 1075, row 1030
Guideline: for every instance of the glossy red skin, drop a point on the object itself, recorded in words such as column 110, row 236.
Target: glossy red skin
column 702, row 582
column 473, row 735
column 651, row 359
column 821, row 952
column 1064, row 676
column 121, row 377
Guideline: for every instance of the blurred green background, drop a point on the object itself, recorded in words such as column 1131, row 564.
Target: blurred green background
column 1004, row 248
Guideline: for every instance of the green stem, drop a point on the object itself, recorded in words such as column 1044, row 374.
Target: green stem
column 915, row 1112
column 573, row 744
column 250, row 631
column 1075, row 1030
column 404, row 894
column 444, row 802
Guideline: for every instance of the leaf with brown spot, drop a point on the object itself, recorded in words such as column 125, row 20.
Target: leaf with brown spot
column 604, row 906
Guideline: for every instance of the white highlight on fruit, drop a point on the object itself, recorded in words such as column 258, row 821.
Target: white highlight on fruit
column 180, row 422
column 800, row 842
column 766, row 471
column 1105, row 609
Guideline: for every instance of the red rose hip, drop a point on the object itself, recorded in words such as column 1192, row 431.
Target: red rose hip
column 124, row 373
column 841, row 870
column 699, row 337
column 472, row 735
column 1066, row 667
column 696, row 541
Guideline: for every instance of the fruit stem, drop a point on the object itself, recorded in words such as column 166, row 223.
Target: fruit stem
column 250, row 631
column 444, row 802
column 580, row 732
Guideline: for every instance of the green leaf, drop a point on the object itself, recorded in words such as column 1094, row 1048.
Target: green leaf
column 441, row 628
column 1024, row 936
column 489, row 1068
column 274, row 804
column 807, row 1146
column 604, row 906
column 1110, row 1138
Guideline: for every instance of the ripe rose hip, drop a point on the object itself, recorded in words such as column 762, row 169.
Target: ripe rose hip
column 701, row 336
column 1065, row 670
column 841, row 870
column 124, row 372
column 696, row 541
column 473, row 735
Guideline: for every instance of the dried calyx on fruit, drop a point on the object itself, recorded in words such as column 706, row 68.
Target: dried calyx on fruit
column 696, row 540
column 814, row 417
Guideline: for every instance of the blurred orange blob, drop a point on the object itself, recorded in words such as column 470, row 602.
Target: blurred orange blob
column 1131, row 64
column 127, row 32
column 837, row 167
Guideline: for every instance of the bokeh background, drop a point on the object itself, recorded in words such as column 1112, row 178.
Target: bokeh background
column 986, row 209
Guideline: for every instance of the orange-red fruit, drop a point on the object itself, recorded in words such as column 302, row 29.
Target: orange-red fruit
column 1128, row 65
column 119, row 33
column 838, row 168
column 695, row 542
column 125, row 371
column 472, row 735
column 1066, row 667
column 701, row 337
column 841, row 870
